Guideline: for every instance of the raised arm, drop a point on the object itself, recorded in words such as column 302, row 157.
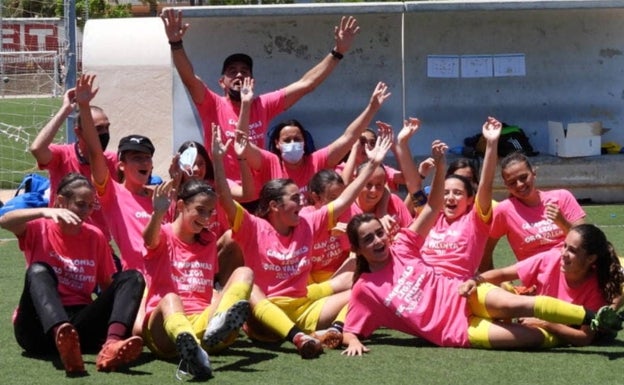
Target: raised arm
column 427, row 217
column 340, row 147
column 85, row 92
column 161, row 199
column 40, row 147
column 15, row 221
column 221, row 185
column 343, row 36
column 491, row 132
column 413, row 181
column 350, row 193
column 175, row 29
column 244, row 154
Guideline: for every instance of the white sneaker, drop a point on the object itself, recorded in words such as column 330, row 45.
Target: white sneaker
column 222, row 324
column 194, row 360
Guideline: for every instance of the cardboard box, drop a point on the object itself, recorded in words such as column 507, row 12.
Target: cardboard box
column 578, row 139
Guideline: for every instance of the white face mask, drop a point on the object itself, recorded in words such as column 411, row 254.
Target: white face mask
column 187, row 160
column 292, row 152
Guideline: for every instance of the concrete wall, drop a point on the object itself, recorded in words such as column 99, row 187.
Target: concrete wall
column 573, row 52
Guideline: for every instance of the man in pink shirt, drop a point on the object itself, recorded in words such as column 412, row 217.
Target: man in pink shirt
column 224, row 110
column 62, row 159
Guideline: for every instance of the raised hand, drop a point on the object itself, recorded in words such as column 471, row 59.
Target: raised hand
column 163, row 194
column 174, row 27
column 241, row 140
column 84, row 91
column 247, row 89
column 344, row 34
column 438, row 150
column 382, row 145
column 61, row 215
column 379, row 96
column 491, row 129
column 425, row 167
column 218, row 147
column 410, row 127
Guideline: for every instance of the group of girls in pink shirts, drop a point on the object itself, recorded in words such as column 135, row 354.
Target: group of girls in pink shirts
column 330, row 254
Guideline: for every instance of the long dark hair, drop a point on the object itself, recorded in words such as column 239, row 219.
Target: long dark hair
column 274, row 133
column 361, row 264
column 608, row 268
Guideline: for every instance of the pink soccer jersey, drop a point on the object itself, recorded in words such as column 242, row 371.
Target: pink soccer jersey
column 409, row 296
column 81, row 261
column 330, row 249
column 64, row 161
column 182, row 268
column 527, row 229
column 273, row 167
column 281, row 264
column 455, row 249
column 544, row 271
column 127, row 215
column 219, row 110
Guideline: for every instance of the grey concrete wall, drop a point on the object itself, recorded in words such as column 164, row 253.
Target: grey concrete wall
column 573, row 50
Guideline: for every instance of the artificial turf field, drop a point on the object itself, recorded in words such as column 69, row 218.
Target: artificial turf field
column 395, row 358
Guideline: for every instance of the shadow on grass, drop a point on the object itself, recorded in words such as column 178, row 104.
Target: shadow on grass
column 402, row 340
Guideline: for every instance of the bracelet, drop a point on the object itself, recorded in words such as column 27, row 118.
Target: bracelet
column 176, row 45
column 419, row 198
column 336, row 54
column 422, row 176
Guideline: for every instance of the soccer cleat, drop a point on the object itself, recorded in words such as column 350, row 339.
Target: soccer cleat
column 117, row 353
column 68, row 346
column 608, row 320
column 308, row 346
column 330, row 338
column 223, row 324
column 194, row 359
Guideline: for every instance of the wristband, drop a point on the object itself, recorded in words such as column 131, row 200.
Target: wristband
column 419, row 198
column 336, row 54
column 176, row 45
column 478, row 279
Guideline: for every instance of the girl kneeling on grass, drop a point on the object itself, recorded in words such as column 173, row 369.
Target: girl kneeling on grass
column 66, row 259
column 394, row 288
column 180, row 264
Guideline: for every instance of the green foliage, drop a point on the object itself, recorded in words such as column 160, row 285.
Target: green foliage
column 98, row 9
column 28, row 8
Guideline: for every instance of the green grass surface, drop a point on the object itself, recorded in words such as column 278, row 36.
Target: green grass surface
column 20, row 121
column 395, row 358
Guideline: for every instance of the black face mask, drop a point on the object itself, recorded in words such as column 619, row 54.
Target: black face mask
column 104, row 139
column 234, row 95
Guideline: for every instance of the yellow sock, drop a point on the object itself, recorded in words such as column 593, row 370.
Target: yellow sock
column 272, row 317
column 342, row 315
column 558, row 311
column 319, row 290
column 177, row 323
column 236, row 291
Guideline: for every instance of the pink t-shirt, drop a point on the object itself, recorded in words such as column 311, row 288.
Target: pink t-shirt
column 527, row 229
column 273, row 168
column 409, row 296
column 182, row 268
column 281, row 264
column 396, row 209
column 455, row 249
column 330, row 249
column 127, row 215
column 544, row 271
column 219, row 110
column 81, row 261
column 64, row 161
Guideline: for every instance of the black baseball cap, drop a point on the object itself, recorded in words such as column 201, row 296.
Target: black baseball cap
column 237, row 57
column 135, row 143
